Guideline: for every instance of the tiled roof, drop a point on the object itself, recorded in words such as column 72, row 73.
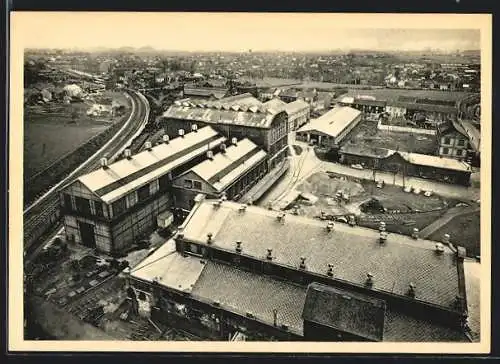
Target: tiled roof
column 345, row 311
column 296, row 106
column 226, row 167
column 333, row 122
column 121, row 177
column 353, row 251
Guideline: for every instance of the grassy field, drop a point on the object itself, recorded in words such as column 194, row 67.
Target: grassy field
column 367, row 134
column 47, row 138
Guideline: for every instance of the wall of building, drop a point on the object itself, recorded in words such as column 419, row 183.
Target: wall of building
column 317, row 332
column 403, row 129
column 454, row 145
column 102, row 232
column 340, row 137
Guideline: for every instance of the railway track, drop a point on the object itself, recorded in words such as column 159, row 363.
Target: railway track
column 43, row 215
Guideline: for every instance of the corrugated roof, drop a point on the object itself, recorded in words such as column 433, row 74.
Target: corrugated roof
column 121, row 177
column 226, row 167
column 296, row 106
column 345, row 311
column 394, row 265
column 333, row 122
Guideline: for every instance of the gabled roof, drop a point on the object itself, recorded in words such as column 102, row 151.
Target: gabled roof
column 333, row 122
column 345, row 311
column 296, row 106
column 126, row 175
column 226, row 167
column 275, row 104
column 353, row 251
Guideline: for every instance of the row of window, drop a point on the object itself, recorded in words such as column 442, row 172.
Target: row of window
column 192, row 184
column 83, row 206
column 447, row 141
column 458, row 152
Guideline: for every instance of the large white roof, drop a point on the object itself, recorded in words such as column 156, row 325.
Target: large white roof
column 333, row 122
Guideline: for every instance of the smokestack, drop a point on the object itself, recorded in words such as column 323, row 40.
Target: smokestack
column 194, row 128
column 223, row 148
column 181, row 132
column 234, row 141
column 104, row 163
column 127, row 153
column 166, row 139
column 210, row 155
column 148, row 145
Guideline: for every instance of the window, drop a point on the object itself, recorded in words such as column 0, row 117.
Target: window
column 188, row 183
column 143, row 193
column 119, row 207
column 446, row 150
column 447, row 141
column 197, row 185
column 164, row 182
column 82, row 205
column 193, row 248
column 98, row 208
column 132, row 199
column 153, row 187
column 461, row 142
column 459, row 152
column 67, row 202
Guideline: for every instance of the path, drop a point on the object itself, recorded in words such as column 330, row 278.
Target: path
column 446, row 218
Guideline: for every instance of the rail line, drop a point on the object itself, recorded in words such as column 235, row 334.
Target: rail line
column 43, row 215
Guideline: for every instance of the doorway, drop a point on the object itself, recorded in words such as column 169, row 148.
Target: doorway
column 87, row 234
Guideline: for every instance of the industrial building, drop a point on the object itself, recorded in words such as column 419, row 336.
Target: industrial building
column 330, row 129
column 205, row 93
column 235, row 269
column 230, row 173
column 299, row 113
column 111, row 208
column 460, row 140
column 409, row 164
column 240, row 116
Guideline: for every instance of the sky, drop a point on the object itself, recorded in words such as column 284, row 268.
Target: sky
column 243, row 31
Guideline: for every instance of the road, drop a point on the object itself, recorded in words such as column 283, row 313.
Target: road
column 42, row 216
column 307, row 163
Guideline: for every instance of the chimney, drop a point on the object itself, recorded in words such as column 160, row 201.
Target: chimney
column 369, row 280
column 383, row 237
column 242, row 208
column 381, row 226
column 414, row 234
column 147, row 145
column 329, row 226
column 104, row 163
column 210, row 155
column 269, row 254
column 127, row 153
column 194, row 128
column 439, row 248
column 223, row 148
column 411, row 290
column 181, row 132
column 166, row 139
column 238, row 247
column 209, row 238
column 329, row 272
column 302, row 263
column 234, row 141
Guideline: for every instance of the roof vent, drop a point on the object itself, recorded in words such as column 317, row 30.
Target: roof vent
column 269, row 254
column 242, row 208
column 411, row 290
column 414, row 233
column 383, row 237
column 104, row 162
column 302, row 263
column 166, row 139
column 181, row 132
column 369, row 280
column 381, row 226
column 148, row 145
column 329, row 272
column 249, row 315
column 446, row 238
column 210, row 155
column 295, row 210
column 127, row 153
column 439, row 248
column 217, row 303
column 238, row 247
column 234, row 141
column 223, row 148
column 210, row 238
column 329, row 226
column 194, row 128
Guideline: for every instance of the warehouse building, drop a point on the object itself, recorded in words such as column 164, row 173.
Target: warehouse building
column 329, row 130
column 230, row 173
column 240, row 116
column 299, row 113
column 235, row 268
column 112, row 207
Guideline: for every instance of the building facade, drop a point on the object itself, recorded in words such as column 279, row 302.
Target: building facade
column 113, row 207
column 299, row 113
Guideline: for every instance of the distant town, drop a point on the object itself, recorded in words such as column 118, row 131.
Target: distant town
column 252, row 196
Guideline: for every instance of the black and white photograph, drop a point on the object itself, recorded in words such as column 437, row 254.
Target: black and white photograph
column 236, row 181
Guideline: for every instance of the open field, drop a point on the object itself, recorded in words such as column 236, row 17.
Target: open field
column 367, row 135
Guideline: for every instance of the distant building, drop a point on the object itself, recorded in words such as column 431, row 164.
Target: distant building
column 330, row 129
column 207, row 93
column 460, row 140
column 437, row 111
column 114, row 206
column 230, row 173
column 237, row 268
